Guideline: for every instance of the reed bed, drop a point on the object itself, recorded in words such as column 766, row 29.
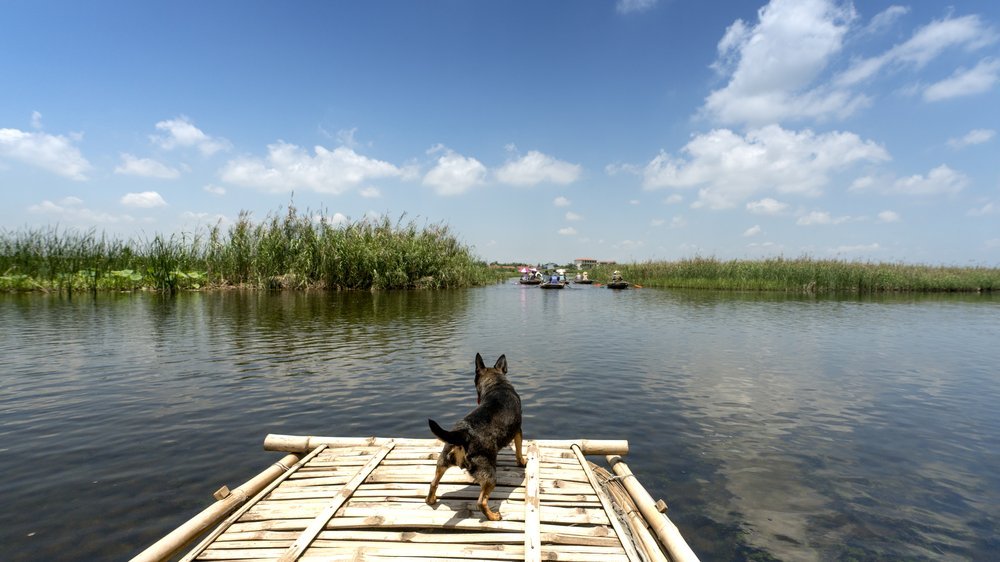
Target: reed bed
column 805, row 275
column 286, row 250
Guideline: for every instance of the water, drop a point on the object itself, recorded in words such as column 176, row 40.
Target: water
column 775, row 427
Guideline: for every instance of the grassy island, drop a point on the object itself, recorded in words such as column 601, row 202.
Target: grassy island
column 286, row 250
column 806, row 275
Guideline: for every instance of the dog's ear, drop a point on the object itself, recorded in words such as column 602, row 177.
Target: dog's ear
column 501, row 364
column 479, row 363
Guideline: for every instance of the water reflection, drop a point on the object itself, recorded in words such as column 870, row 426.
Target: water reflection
column 794, row 427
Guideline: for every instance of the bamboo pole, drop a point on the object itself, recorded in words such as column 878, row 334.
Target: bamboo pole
column 532, row 516
column 609, row 509
column 303, row 443
column 667, row 532
column 188, row 531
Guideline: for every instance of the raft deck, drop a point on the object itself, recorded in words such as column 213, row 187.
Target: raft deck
column 363, row 499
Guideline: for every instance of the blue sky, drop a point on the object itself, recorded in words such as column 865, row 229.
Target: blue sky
column 538, row 131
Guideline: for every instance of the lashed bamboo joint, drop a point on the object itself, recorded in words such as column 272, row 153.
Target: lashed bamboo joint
column 363, row 499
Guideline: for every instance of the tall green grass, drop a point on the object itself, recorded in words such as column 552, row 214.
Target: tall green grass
column 285, row 250
column 805, row 275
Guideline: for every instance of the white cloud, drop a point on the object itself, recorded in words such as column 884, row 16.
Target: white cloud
column 975, row 136
column 288, row 167
column 568, row 231
column 143, row 200
column 561, row 202
column 884, row 19
column 145, row 167
column 772, row 64
column 888, row 216
column 633, row 201
column 71, row 210
column 752, row 231
column 214, row 189
column 820, row 218
column 926, row 44
column 620, row 168
column 206, row 218
column 976, row 80
column 767, row 206
column 534, row 168
column 729, row 168
column 370, row 192
column 571, row 216
column 181, row 133
column 633, row 6
column 673, row 199
column 940, row 180
column 987, row 209
column 454, row 174
column 55, row 153
column 36, row 120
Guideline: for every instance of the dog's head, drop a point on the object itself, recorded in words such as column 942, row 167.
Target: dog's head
column 485, row 376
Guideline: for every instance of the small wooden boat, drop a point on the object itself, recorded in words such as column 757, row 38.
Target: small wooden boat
column 551, row 285
column 584, row 281
column 617, row 285
column 531, row 281
column 349, row 498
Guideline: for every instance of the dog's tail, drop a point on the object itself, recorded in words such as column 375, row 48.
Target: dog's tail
column 460, row 438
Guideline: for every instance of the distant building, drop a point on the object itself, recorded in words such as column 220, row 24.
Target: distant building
column 585, row 263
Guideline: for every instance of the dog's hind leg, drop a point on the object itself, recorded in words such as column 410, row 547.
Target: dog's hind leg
column 486, row 488
column 517, row 448
column 432, row 492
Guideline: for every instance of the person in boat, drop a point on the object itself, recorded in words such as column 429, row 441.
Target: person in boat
column 616, row 277
column 554, row 278
column 585, row 276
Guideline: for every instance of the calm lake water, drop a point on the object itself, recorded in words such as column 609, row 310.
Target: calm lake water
column 774, row 426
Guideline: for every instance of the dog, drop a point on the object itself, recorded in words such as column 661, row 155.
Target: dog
column 474, row 442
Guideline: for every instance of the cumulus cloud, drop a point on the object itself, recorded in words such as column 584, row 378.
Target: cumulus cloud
column 288, row 167
column 214, row 189
column 772, row 64
column 888, row 216
column 561, row 202
column 534, row 168
column 454, row 174
column 975, row 136
column 729, row 168
column 820, row 218
column 633, row 6
column 767, row 206
column 370, row 192
column 568, row 231
column 145, row 167
column 752, row 231
column 571, row 216
column 181, row 133
column 72, row 210
column 55, row 153
column 885, row 19
column 143, row 200
column 966, row 82
column 673, row 199
column 940, row 180
column 987, row 209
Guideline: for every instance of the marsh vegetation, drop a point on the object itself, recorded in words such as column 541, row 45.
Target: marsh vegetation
column 805, row 275
column 286, row 250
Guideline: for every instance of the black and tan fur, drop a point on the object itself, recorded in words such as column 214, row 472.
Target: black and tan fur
column 474, row 442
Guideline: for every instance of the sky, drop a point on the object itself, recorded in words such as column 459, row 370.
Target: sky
column 626, row 130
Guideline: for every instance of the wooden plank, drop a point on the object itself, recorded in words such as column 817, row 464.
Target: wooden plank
column 418, row 551
column 317, row 525
column 444, row 520
column 221, row 528
column 302, row 443
column 608, row 506
column 532, row 517
column 428, row 536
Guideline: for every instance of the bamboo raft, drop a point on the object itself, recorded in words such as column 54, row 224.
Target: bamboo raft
column 355, row 499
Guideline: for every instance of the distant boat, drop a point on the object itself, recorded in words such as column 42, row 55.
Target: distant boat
column 584, row 281
column 530, row 281
column 618, row 285
column 551, row 285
